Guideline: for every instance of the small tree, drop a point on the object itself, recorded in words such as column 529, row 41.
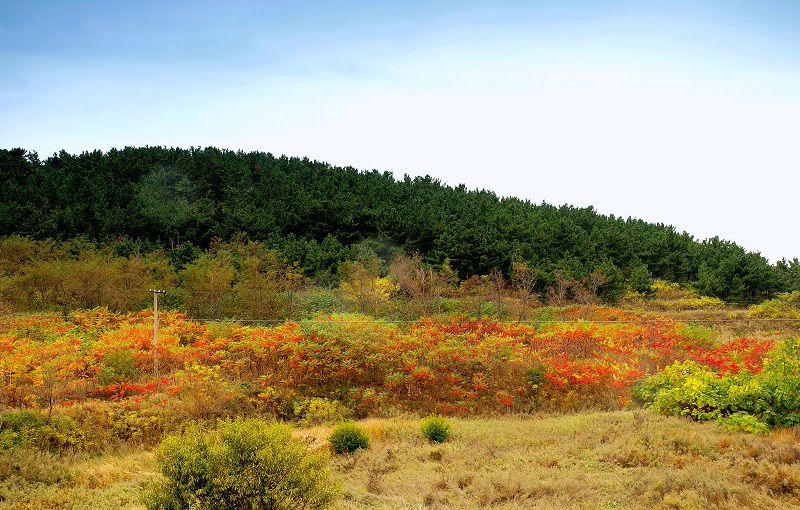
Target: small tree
column 641, row 280
column 497, row 286
column 476, row 289
column 258, row 288
column 524, row 280
column 559, row 291
column 292, row 282
column 207, row 285
column 585, row 289
column 59, row 362
column 244, row 464
column 362, row 285
column 418, row 281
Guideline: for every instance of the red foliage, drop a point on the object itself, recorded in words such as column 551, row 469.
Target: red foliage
column 453, row 365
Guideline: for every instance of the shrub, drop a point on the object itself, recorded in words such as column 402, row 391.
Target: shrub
column 348, row 437
column 31, row 429
column 117, row 366
column 697, row 334
column 785, row 306
column 699, row 303
column 536, row 375
column 33, row 466
column 745, row 422
column 242, row 464
column 741, row 401
column 320, row 301
column 313, row 411
column 436, row 428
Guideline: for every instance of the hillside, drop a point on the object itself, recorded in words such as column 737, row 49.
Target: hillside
column 546, row 414
column 313, row 212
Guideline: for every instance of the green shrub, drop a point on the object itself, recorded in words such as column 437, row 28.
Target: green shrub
column 697, row 333
column 544, row 314
column 785, row 306
column 698, row 303
column 30, row 429
column 436, row 428
column 242, row 464
column 741, row 401
column 744, row 422
column 320, row 301
column 348, row 437
column 535, row 375
column 117, row 366
column 685, row 388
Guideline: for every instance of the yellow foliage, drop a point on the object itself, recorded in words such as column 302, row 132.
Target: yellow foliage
column 379, row 288
column 699, row 302
column 665, row 286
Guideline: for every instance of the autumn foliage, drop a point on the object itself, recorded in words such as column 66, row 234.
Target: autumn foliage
column 453, row 365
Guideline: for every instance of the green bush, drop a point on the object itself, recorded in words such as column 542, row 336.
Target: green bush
column 744, row 422
column 785, row 306
column 30, row 429
column 742, row 401
column 348, row 437
column 117, row 366
column 320, row 301
column 536, row 375
column 436, row 428
column 698, row 334
column 242, row 464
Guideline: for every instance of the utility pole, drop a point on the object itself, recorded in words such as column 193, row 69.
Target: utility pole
column 155, row 292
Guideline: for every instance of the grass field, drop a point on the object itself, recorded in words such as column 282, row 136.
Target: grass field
column 590, row 460
column 544, row 415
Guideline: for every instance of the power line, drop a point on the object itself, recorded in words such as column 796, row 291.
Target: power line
column 401, row 321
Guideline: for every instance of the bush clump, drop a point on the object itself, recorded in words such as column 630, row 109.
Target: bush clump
column 31, row 429
column 753, row 402
column 244, row 463
column 436, row 428
column 348, row 437
column 117, row 366
column 314, row 411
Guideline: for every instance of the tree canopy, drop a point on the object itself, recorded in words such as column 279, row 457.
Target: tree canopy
column 315, row 213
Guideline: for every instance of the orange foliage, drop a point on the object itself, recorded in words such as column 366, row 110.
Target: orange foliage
column 454, row 365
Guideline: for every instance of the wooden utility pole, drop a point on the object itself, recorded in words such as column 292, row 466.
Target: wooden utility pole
column 155, row 292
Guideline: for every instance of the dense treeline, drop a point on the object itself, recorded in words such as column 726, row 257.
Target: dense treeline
column 320, row 215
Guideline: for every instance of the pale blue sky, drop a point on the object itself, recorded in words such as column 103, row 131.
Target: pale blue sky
column 677, row 112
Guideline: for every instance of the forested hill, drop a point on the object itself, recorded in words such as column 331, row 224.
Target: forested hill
column 313, row 212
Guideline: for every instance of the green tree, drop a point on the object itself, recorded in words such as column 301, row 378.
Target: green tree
column 362, row 285
column 207, row 286
column 166, row 197
column 641, row 280
column 258, row 290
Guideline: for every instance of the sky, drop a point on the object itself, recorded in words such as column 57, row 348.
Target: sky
column 678, row 112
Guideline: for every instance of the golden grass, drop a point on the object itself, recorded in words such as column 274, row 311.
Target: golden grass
column 596, row 460
column 109, row 481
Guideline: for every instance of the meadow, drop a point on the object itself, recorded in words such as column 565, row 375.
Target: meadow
column 587, row 460
column 570, row 409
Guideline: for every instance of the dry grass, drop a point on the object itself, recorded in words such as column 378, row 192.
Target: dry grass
column 621, row 460
column 618, row 460
column 106, row 482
